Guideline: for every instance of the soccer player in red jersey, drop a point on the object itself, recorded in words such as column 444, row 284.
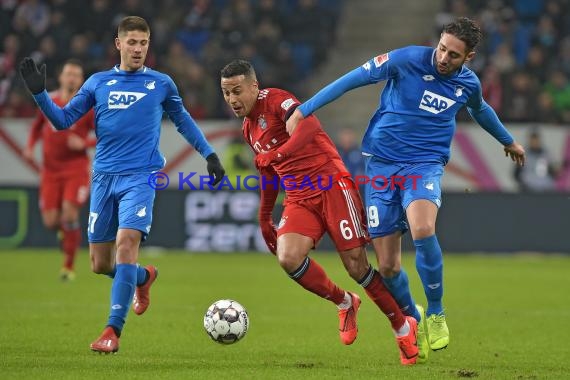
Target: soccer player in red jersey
column 306, row 164
column 64, row 184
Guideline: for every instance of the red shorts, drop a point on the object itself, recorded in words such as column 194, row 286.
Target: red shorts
column 338, row 211
column 56, row 189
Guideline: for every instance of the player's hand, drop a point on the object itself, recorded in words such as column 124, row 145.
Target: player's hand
column 293, row 120
column 516, row 152
column 269, row 233
column 263, row 160
column 75, row 142
column 215, row 168
column 35, row 79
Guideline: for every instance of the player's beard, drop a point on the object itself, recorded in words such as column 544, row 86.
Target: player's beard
column 447, row 69
column 442, row 69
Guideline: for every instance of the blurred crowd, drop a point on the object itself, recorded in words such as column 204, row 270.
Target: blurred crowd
column 191, row 40
column 524, row 59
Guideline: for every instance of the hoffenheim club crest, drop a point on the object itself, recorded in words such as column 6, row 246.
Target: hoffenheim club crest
column 458, row 91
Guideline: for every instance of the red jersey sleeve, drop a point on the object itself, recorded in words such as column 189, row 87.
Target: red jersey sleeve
column 268, row 193
column 303, row 135
column 283, row 103
column 36, row 130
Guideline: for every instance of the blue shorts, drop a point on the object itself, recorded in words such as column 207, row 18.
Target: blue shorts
column 119, row 201
column 391, row 189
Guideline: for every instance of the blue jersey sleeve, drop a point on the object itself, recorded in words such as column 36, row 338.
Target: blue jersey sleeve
column 487, row 118
column 334, row 90
column 384, row 66
column 185, row 124
column 79, row 105
column 376, row 69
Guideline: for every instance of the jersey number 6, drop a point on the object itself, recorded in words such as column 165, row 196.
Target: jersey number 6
column 345, row 230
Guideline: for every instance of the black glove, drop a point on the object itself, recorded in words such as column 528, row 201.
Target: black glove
column 35, row 79
column 215, row 168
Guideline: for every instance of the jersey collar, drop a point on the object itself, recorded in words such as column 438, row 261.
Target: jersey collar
column 141, row 70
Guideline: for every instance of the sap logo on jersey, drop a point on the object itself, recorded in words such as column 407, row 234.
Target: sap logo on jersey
column 124, row 99
column 435, row 103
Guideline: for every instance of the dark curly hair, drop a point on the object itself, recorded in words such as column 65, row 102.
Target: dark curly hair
column 466, row 30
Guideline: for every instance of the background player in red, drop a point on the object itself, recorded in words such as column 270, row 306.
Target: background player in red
column 64, row 184
column 311, row 208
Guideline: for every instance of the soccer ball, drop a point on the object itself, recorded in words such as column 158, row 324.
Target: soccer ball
column 226, row 321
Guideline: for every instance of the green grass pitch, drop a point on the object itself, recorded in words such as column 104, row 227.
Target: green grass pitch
column 508, row 317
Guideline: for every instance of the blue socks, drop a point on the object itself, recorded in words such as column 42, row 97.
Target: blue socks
column 142, row 274
column 400, row 290
column 429, row 263
column 122, row 293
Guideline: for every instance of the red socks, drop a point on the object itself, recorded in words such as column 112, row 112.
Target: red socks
column 377, row 291
column 311, row 276
column 70, row 244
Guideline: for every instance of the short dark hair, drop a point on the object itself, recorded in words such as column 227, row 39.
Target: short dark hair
column 238, row 67
column 466, row 30
column 131, row 23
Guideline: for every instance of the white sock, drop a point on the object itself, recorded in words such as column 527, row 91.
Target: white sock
column 346, row 303
column 404, row 330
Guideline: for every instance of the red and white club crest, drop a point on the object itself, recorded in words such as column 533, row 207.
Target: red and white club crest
column 380, row 59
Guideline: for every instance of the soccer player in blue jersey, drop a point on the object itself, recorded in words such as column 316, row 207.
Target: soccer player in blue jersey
column 410, row 135
column 129, row 101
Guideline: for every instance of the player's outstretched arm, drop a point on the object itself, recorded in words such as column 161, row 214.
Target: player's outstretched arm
column 329, row 93
column 188, row 128
column 487, row 118
column 269, row 192
column 309, row 128
column 61, row 118
column 293, row 121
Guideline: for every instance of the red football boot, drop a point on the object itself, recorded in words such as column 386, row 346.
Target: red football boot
column 348, row 329
column 141, row 299
column 408, row 344
column 107, row 343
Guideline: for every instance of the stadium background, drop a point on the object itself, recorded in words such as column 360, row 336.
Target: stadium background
column 507, row 312
column 299, row 45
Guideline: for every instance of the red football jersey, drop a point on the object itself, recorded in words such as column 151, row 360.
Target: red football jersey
column 264, row 130
column 58, row 158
